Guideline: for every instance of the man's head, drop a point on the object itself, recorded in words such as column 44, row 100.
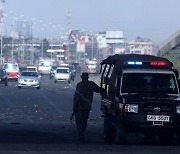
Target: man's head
column 85, row 76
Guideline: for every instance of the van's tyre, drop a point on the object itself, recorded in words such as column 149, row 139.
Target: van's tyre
column 19, row 87
column 109, row 130
column 55, row 81
column 38, row 87
column 121, row 135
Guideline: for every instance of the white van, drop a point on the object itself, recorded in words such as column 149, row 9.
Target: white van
column 45, row 67
column 62, row 74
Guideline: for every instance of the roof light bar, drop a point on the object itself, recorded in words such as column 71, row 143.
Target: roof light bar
column 158, row 63
column 132, row 63
column 139, row 63
column 152, row 63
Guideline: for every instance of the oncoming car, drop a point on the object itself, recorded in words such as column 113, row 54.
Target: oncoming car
column 12, row 70
column 32, row 68
column 52, row 72
column 3, row 77
column 29, row 79
column 62, row 74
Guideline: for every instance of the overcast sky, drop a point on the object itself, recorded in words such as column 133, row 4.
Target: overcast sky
column 155, row 19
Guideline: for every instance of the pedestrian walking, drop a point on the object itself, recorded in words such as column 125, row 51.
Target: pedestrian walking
column 83, row 98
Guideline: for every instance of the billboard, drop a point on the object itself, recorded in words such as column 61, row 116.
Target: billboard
column 113, row 37
column 77, row 35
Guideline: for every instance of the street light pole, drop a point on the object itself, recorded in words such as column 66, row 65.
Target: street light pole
column 1, row 47
column 92, row 48
column 23, row 50
column 42, row 48
column 12, row 44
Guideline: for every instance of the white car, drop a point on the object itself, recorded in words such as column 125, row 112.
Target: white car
column 62, row 74
column 45, row 67
column 29, row 79
column 32, row 68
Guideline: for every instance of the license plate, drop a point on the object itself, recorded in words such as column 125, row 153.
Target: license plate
column 158, row 118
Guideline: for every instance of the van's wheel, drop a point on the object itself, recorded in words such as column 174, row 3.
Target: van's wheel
column 19, row 87
column 121, row 136
column 109, row 130
column 55, row 81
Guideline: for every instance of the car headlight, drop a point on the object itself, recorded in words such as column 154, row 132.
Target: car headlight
column 178, row 109
column 36, row 80
column 131, row 108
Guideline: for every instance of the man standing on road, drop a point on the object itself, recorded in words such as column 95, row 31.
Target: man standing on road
column 82, row 103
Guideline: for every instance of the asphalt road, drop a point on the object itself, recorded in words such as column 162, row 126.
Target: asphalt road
column 33, row 120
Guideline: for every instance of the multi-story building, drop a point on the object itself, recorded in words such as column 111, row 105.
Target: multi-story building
column 23, row 29
column 102, row 46
column 116, row 42
column 142, row 46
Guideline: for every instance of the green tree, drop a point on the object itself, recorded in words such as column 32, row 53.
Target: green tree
column 44, row 46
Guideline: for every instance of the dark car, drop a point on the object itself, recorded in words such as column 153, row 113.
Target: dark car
column 73, row 71
column 53, row 69
column 3, row 77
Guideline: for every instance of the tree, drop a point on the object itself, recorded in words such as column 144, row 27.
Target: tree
column 44, row 47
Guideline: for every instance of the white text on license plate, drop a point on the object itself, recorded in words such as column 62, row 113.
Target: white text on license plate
column 157, row 118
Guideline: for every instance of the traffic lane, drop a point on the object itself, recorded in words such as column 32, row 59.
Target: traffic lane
column 35, row 132
column 56, row 138
column 54, row 102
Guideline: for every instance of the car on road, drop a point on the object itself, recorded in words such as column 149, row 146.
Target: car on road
column 12, row 69
column 29, row 79
column 62, row 74
column 73, row 71
column 3, row 77
column 52, row 71
column 32, row 68
column 45, row 67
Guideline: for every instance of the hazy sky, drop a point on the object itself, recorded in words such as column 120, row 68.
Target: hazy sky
column 155, row 19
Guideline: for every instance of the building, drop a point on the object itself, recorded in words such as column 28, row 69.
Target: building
column 22, row 29
column 142, row 46
column 116, row 42
column 102, row 46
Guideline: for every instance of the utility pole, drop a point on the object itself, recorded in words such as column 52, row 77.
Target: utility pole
column 1, row 25
column 92, row 41
column 12, row 52
column 68, row 21
column 23, row 54
column 32, row 48
column 42, row 48
column 69, row 31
